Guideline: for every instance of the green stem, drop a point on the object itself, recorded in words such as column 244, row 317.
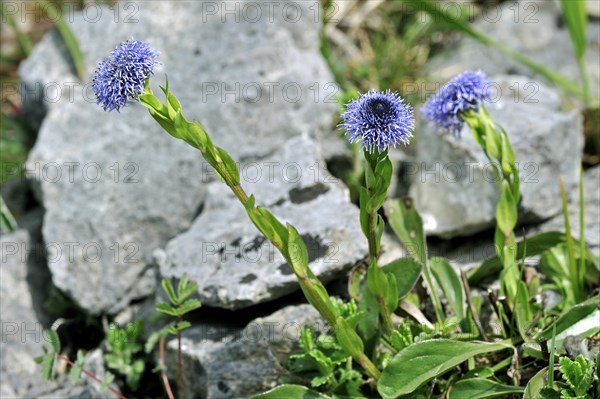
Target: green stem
column 371, row 237
column 587, row 95
column 570, row 244
column 437, row 305
column 308, row 286
column 386, row 316
column 368, row 366
column 582, row 252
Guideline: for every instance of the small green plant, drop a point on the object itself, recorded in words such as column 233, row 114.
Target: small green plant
column 578, row 380
column 126, row 350
column 326, row 365
column 579, row 376
column 48, row 360
column 180, row 305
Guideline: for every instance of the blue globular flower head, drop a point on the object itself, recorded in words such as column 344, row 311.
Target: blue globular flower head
column 465, row 91
column 378, row 120
column 121, row 76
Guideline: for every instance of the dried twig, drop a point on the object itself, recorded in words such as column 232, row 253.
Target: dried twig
column 467, row 289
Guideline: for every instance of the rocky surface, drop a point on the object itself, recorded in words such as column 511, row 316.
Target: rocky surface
column 22, row 265
column 114, row 186
column 534, row 28
column 453, row 184
column 229, row 259
column 23, row 288
column 228, row 365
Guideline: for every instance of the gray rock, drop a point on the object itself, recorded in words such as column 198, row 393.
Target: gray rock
column 534, row 28
column 244, row 363
column 591, row 197
column 22, row 339
column 23, row 288
column 253, row 83
column 453, row 183
column 230, row 260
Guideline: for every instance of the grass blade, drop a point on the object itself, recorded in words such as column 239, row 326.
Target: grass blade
column 24, row 42
column 7, row 221
column 68, row 37
column 570, row 244
column 576, row 19
column 582, row 252
column 462, row 26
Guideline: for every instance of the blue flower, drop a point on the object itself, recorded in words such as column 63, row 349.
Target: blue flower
column 378, row 120
column 120, row 77
column 466, row 91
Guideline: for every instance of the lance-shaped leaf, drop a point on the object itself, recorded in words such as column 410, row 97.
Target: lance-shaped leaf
column 422, row 361
column 479, row 388
column 408, row 226
column 290, row 392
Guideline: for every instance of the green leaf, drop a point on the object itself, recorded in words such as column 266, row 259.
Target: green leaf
column 408, row 227
column 183, row 292
column 377, row 280
column 52, row 338
column 536, row 384
column 173, row 102
column 407, row 272
column 391, row 298
column 493, row 144
column 297, row 251
column 478, row 388
column 450, row 284
column 7, row 220
column 280, row 236
column 577, row 373
column 70, row 40
column 24, row 41
column 576, row 19
column 47, row 362
column 479, row 372
column 522, row 310
column 182, row 284
column 168, row 288
column 182, row 325
column 106, row 381
column 364, row 211
column 506, row 212
column 154, row 338
column 313, row 289
column 536, row 245
column 348, row 338
column 229, row 165
column 290, row 392
column 422, row 361
column 188, row 306
column 508, row 156
column 368, row 320
column 167, row 309
column 77, row 368
column 583, row 312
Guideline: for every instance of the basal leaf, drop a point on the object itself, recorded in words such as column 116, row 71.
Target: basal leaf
column 422, row 361
column 479, row 388
column 450, row 284
column 290, row 392
column 408, row 227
